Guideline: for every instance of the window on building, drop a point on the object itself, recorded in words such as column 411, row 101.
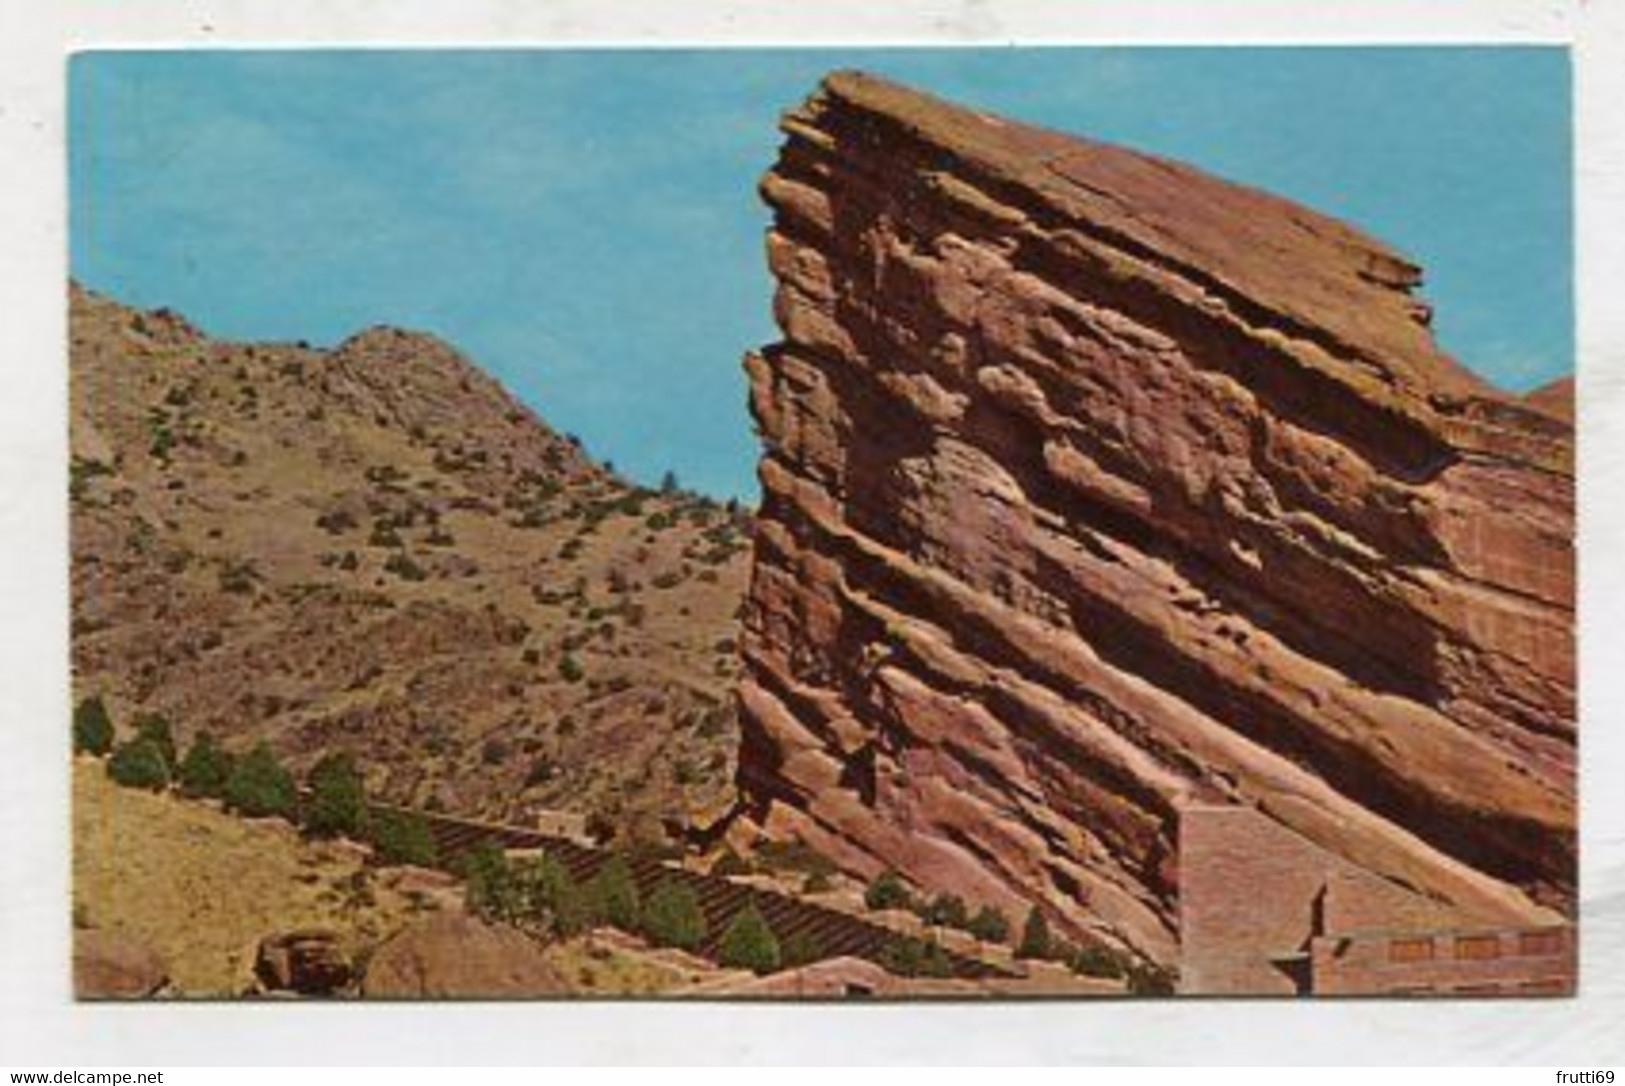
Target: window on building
column 1477, row 947
column 1553, row 986
column 1410, row 950
column 1540, row 942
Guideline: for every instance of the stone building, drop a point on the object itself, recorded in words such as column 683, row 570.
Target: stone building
column 1265, row 911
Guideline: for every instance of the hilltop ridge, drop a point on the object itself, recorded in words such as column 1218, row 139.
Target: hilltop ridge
column 377, row 548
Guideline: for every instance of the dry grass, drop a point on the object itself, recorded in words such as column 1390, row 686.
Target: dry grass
column 607, row 963
column 200, row 887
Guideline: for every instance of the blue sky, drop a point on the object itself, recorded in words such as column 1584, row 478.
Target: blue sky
column 584, row 224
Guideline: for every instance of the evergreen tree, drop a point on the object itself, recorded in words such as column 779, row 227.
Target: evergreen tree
column 990, row 925
column 947, row 910
column 338, row 798
column 887, row 891
column 1094, row 961
column 205, row 769
column 564, row 898
column 155, row 728
column 749, row 943
column 92, row 727
column 138, row 763
column 491, row 888
column 402, row 838
column 1035, row 937
column 614, row 895
column 1150, row 980
column 673, row 917
column 259, row 786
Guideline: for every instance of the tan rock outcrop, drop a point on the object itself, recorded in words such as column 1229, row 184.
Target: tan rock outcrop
column 458, row 956
column 112, row 965
column 1094, row 485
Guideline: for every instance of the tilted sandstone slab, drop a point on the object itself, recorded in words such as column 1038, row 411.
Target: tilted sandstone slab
column 1094, row 486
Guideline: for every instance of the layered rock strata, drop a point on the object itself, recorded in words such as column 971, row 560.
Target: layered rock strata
column 1094, row 486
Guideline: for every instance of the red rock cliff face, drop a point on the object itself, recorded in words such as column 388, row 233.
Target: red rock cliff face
column 1094, row 485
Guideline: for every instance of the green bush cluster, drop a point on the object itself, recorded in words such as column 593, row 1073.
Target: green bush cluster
column 916, row 958
column 1089, row 960
column 539, row 890
column 259, row 786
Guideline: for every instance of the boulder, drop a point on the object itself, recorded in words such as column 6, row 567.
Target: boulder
column 454, row 955
column 112, row 965
column 307, row 962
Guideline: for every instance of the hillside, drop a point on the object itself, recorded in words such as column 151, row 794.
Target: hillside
column 376, row 548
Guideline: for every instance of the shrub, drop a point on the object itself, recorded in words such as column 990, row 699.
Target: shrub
column 336, row 521
column 1150, row 980
column 947, row 910
column 935, row 961
column 556, row 893
column 1035, row 936
column 338, row 798
column 887, row 891
column 155, row 728
column 990, row 925
column 613, row 895
column 492, row 889
column 673, row 917
column 402, row 565
column 384, row 535
column 916, row 958
column 205, row 769
column 541, row 772
column 138, row 763
column 749, row 943
column 402, row 838
column 92, row 727
column 1095, row 961
column 238, row 577
column 570, row 669
column 259, row 786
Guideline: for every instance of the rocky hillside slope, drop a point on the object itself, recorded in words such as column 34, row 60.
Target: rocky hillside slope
column 1093, row 486
column 376, row 548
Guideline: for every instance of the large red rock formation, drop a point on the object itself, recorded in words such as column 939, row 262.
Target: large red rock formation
column 1094, row 485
